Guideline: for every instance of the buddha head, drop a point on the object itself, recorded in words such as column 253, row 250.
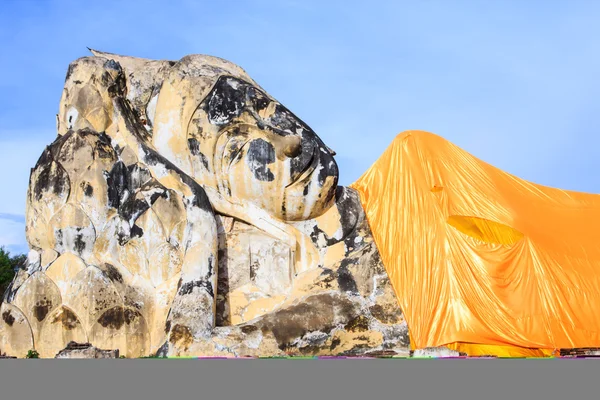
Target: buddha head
column 220, row 127
column 210, row 119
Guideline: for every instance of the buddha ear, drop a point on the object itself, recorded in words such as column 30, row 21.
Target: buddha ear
column 144, row 79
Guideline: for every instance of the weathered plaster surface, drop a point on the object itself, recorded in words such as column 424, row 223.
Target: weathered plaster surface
column 182, row 210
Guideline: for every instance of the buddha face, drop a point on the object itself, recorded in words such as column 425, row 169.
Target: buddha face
column 261, row 152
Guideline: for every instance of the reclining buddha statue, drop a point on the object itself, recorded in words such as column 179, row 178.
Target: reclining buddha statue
column 183, row 211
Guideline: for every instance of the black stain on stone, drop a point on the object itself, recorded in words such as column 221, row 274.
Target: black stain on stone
column 335, row 343
column 358, row 324
column 260, row 154
column 58, row 234
column 79, row 241
column 211, row 261
column 131, row 316
column 8, row 318
column 130, row 302
column 115, row 85
column 236, row 145
column 103, row 149
column 317, row 233
column 305, row 160
column 322, row 176
column 67, row 318
column 130, row 117
column 167, row 326
column 56, row 146
column 137, row 177
column 310, row 349
column 45, row 158
column 70, row 71
column 248, row 329
column 222, row 299
column 200, row 199
column 253, row 270
column 258, row 99
column 163, row 350
column 10, row 292
column 133, row 207
column 113, row 318
column 390, row 314
column 345, row 279
column 188, row 287
column 112, row 273
column 136, row 231
column 116, row 317
column 350, row 209
column 88, row 190
column 316, row 313
column 136, row 204
column 327, row 276
column 283, row 206
column 117, row 184
column 330, row 194
column 194, row 146
column 226, row 100
column 52, row 177
column 204, row 160
column 181, row 336
column 74, row 141
column 162, row 192
column 41, row 309
column 284, row 121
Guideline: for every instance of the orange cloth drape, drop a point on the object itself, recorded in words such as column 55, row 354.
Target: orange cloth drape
column 480, row 260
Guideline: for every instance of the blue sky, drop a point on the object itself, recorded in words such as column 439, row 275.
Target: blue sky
column 513, row 82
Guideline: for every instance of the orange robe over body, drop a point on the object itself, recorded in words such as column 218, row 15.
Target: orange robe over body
column 482, row 261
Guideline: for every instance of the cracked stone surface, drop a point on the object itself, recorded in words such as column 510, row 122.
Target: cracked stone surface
column 181, row 211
